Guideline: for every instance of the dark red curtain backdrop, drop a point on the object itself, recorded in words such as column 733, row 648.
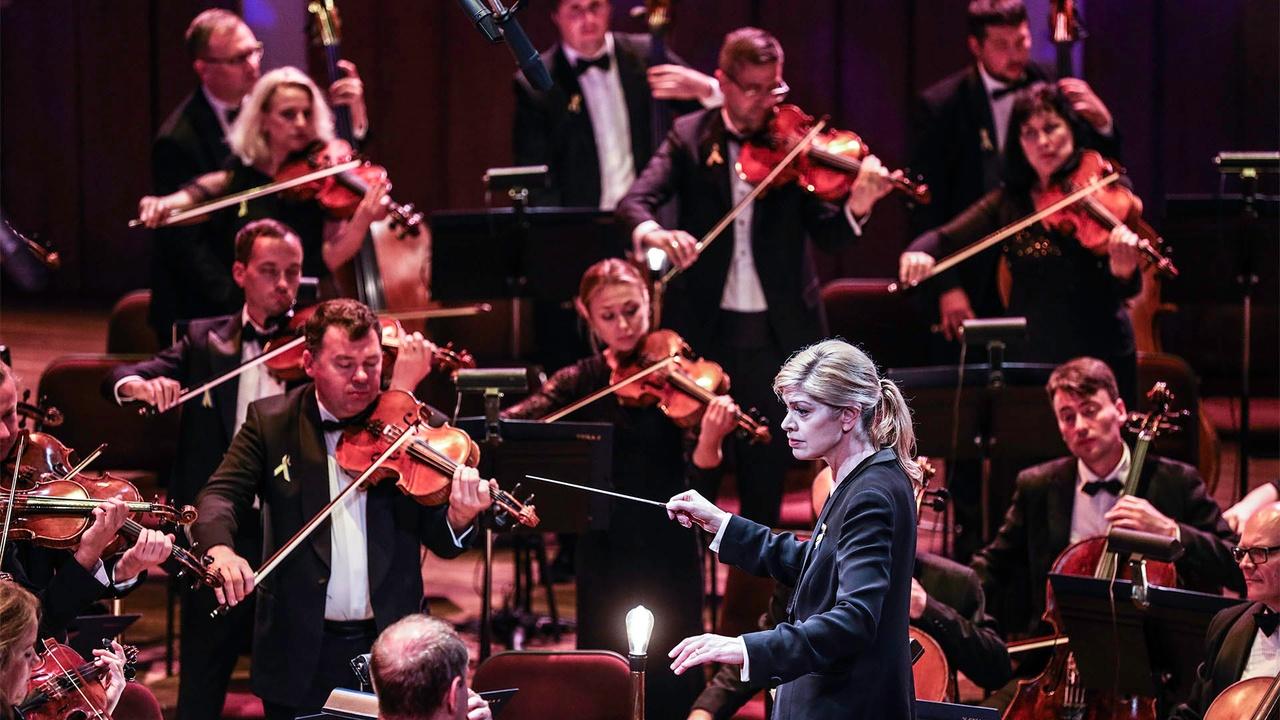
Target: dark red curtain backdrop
column 84, row 84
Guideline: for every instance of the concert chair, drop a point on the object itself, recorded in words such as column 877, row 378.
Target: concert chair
column 584, row 684
column 137, row 702
column 128, row 330
column 864, row 312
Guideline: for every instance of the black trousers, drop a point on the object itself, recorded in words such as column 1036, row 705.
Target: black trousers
column 342, row 641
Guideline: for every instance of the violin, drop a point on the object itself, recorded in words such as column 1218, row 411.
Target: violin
column 424, row 471
column 38, row 415
column 287, row 366
column 1091, row 219
column 52, row 505
column 340, row 194
column 827, row 167
column 1058, row 691
column 664, row 372
column 63, row 686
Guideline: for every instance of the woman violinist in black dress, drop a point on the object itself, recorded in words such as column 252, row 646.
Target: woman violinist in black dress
column 641, row 558
column 1073, row 298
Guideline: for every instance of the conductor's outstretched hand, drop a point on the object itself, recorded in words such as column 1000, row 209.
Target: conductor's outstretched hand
column 689, row 508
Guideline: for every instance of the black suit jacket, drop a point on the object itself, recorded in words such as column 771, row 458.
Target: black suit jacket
column 1227, row 645
column 553, row 127
column 64, row 587
column 686, row 168
column 955, row 615
column 842, row 652
column 289, row 622
column 209, row 348
column 191, row 268
column 1037, row 527
column 954, row 149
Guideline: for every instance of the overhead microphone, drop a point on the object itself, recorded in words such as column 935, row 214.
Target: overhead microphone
column 498, row 24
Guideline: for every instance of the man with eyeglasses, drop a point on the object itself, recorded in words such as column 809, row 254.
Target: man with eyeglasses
column 1064, row 501
column 749, row 299
column 593, row 128
column 190, row 279
column 1242, row 642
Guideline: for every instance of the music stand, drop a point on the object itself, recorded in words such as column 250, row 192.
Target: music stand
column 1016, row 409
column 928, row 710
column 532, row 256
column 1152, row 652
column 580, row 452
column 88, row 631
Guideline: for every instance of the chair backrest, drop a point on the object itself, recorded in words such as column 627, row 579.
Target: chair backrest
column 137, row 702
column 864, row 312
column 72, row 383
column 582, row 684
column 128, row 330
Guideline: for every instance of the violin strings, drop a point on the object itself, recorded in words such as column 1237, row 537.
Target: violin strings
column 78, row 688
column 441, row 462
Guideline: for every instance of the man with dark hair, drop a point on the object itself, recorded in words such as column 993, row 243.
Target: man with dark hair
column 593, row 129
column 267, row 267
column 958, row 136
column 1064, row 501
column 360, row 571
column 751, row 299
column 191, row 268
column 419, row 668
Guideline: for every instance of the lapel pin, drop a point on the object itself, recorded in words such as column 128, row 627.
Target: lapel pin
column 206, row 400
column 575, row 103
column 984, row 138
column 715, row 158
column 283, row 469
column 821, row 534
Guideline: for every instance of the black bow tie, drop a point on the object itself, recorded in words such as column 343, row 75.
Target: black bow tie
column 1268, row 620
column 1010, row 88
column 250, row 333
column 583, row 65
column 1112, row 486
column 359, row 418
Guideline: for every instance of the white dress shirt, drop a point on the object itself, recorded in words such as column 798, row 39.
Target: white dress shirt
column 1087, row 512
column 1264, row 656
column 610, row 123
column 220, row 110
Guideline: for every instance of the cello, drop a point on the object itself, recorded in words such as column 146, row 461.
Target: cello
column 1058, row 691
column 1253, row 699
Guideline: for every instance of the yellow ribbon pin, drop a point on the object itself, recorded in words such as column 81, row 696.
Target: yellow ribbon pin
column 984, row 138
column 283, row 469
column 715, row 158
column 575, row 104
column 206, row 400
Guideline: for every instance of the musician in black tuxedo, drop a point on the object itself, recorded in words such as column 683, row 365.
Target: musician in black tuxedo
column 1064, row 501
column 267, row 268
column 360, row 571
column 68, row 582
column 593, row 128
column 842, row 652
column 1242, row 641
column 959, row 132
column 751, row 297
column 947, row 602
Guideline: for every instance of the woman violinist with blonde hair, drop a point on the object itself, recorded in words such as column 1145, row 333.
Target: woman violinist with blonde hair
column 843, row 650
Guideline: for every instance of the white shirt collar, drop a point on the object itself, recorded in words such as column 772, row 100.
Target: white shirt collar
column 1119, row 472
column 573, row 56
column 324, row 412
column 990, row 83
column 246, row 321
column 219, row 108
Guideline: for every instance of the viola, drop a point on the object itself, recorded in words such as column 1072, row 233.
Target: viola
column 1058, row 690
column 424, row 471
column 1091, row 219
column 52, row 505
column 63, row 686
column 664, row 372
column 827, row 167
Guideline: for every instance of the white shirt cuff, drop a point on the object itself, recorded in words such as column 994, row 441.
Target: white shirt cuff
column 99, row 573
column 119, row 383
column 854, row 222
column 120, row 587
column 638, row 234
column 457, row 539
column 715, row 542
column 716, row 98
column 745, row 674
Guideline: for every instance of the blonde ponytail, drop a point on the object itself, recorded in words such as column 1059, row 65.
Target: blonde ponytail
column 893, row 428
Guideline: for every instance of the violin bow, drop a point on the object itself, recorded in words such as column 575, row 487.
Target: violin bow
column 196, row 211
column 98, row 713
column 305, row 532
column 148, row 409
column 12, row 494
column 574, row 407
column 998, row 236
column 750, row 197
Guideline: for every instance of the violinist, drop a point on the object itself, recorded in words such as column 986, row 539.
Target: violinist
column 71, row 581
column 842, row 651
column 190, row 265
column 19, row 619
column 1064, row 501
column 593, row 128
column 361, row 571
column 639, row 558
column 1242, row 641
column 1073, row 298
column 285, row 119
column 959, row 132
column 752, row 299
column 267, row 268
